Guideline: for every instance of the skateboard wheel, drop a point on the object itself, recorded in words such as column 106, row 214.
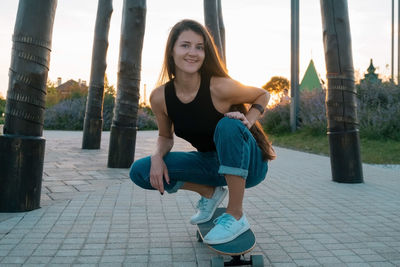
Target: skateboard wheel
column 199, row 239
column 217, row 261
column 257, row 260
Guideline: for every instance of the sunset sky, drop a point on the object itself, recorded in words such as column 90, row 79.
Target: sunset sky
column 257, row 37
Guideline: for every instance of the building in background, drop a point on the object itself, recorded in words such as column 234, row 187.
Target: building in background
column 371, row 76
column 311, row 80
column 71, row 86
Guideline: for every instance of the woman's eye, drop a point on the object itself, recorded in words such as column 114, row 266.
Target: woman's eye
column 200, row 48
column 185, row 45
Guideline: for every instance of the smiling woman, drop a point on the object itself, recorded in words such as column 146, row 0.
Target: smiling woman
column 195, row 101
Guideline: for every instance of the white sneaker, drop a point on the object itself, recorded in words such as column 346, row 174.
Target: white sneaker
column 207, row 206
column 226, row 229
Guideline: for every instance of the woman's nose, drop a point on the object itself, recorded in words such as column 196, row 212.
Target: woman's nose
column 192, row 51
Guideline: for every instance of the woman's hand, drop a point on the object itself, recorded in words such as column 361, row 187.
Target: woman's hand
column 158, row 171
column 239, row 116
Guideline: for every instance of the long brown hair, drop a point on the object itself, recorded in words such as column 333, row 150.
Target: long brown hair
column 212, row 66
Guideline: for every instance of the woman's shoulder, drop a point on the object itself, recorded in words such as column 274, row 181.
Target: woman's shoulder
column 218, row 80
column 221, row 85
column 157, row 95
column 221, row 82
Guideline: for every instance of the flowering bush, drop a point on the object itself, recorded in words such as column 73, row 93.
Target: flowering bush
column 378, row 112
column 312, row 111
column 277, row 119
column 69, row 115
column 66, row 115
column 108, row 111
column 145, row 120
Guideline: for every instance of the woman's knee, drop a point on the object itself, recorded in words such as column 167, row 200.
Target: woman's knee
column 227, row 123
column 140, row 172
column 257, row 176
column 228, row 127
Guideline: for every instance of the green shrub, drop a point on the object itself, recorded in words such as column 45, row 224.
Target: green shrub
column 2, row 106
column 277, row 119
column 66, row 115
column 69, row 114
column 378, row 110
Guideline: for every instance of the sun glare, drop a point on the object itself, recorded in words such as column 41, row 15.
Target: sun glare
column 274, row 100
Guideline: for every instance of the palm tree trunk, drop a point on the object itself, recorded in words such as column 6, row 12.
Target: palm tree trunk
column 93, row 123
column 221, row 30
column 398, row 42
column 211, row 19
column 341, row 102
column 123, row 128
column 22, row 147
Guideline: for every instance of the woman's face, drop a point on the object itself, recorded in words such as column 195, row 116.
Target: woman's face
column 188, row 52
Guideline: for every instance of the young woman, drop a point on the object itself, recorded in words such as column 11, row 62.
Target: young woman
column 199, row 102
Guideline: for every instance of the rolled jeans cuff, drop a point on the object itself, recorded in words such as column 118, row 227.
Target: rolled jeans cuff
column 233, row 171
column 175, row 188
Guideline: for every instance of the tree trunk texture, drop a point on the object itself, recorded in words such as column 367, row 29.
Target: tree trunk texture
column 22, row 147
column 398, row 42
column 93, row 123
column 221, row 30
column 341, row 102
column 123, row 128
column 392, row 54
column 294, row 65
column 212, row 20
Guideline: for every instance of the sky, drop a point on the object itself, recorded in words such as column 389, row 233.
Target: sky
column 257, row 37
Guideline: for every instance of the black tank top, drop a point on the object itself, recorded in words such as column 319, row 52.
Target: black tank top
column 195, row 121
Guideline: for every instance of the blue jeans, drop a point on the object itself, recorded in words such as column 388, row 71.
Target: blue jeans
column 237, row 154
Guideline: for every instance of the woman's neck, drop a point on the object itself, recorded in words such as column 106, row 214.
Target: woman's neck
column 187, row 83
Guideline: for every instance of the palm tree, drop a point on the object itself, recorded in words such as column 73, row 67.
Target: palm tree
column 93, row 123
column 214, row 23
column 221, row 30
column 341, row 105
column 21, row 146
column 123, row 128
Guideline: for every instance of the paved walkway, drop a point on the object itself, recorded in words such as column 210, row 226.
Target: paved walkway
column 92, row 215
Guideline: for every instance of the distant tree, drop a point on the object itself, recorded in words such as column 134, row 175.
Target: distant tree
column 108, row 106
column 52, row 94
column 2, row 106
column 276, row 85
column 109, row 89
column 78, row 91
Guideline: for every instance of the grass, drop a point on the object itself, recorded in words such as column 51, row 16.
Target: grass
column 372, row 151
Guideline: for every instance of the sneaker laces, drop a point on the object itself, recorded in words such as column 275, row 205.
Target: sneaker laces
column 225, row 220
column 202, row 203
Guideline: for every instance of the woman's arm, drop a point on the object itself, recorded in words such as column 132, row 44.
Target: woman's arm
column 165, row 141
column 230, row 92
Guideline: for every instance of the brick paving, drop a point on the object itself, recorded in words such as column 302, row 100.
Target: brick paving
column 95, row 216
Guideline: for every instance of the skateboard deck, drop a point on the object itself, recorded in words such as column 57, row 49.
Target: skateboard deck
column 236, row 248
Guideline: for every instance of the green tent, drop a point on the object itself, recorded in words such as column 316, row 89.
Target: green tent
column 310, row 80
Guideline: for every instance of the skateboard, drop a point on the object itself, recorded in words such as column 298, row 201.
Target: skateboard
column 236, row 248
